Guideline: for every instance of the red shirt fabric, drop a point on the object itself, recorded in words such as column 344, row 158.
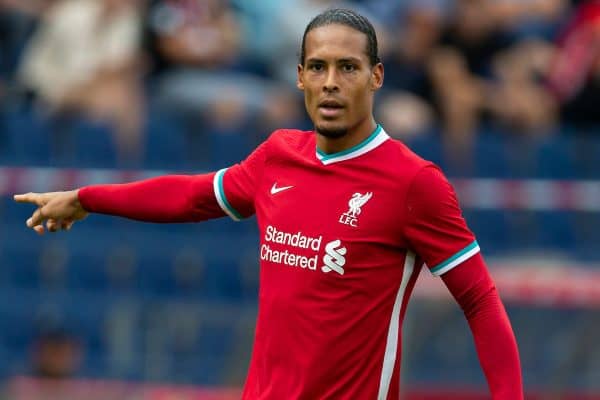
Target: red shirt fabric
column 343, row 238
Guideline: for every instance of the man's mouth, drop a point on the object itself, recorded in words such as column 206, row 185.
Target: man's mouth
column 330, row 108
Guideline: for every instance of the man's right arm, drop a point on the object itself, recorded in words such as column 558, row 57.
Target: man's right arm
column 169, row 198
column 183, row 198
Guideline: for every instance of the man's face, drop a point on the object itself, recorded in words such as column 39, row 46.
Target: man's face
column 337, row 79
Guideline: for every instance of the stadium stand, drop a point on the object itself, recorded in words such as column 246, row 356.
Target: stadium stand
column 175, row 303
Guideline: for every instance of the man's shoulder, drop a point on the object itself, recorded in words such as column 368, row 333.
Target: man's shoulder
column 416, row 172
column 403, row 159
column 295, row 140
column 292, row 136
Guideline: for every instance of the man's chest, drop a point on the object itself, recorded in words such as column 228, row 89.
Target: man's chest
column 344, row 204
column 326, row 232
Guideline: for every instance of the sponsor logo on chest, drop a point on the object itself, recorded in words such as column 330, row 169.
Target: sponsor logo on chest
column 332, row 261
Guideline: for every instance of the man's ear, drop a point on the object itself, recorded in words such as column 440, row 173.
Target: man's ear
column 377, row 77
column 300, row 80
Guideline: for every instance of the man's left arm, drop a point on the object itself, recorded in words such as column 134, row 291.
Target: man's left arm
column 473, row 288
column 436, row 230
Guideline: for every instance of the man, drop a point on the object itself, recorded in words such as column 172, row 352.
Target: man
column 347, row 218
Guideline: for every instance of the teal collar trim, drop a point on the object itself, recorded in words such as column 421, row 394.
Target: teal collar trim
column 374, row 140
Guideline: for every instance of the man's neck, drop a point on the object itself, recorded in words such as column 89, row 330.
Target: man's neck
column 355, row 136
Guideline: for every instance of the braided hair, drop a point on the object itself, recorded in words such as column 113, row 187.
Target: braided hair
column 351, row 19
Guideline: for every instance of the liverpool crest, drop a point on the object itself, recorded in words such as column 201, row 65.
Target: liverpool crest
column 355, row 203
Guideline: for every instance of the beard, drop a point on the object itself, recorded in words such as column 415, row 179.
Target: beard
column 331, row 133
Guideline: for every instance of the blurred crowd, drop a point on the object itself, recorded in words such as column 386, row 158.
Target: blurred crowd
column 454, row 70
column 228, row 67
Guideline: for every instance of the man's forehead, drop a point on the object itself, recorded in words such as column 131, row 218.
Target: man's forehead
column 336, row 41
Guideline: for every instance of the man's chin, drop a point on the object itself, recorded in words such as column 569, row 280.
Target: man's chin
column 331, row 132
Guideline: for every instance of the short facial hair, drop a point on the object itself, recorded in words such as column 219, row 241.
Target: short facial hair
column 331, row 133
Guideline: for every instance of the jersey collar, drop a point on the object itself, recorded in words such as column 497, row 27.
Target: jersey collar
column 374, row 140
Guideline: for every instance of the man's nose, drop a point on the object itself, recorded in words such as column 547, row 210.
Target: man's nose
column 331, row 81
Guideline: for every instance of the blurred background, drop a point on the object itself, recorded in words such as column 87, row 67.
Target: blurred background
column 503, row 94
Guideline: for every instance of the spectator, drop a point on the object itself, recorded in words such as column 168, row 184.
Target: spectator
column 84, row 58
column 17, row 21
column 197, row 59
column 517, row 99
column 485, row 70
column 459, row 96
column 574, row 76
column 202, row 34
column 469, row 44
column 524, row 19
column 56, row 355
column 414, row 28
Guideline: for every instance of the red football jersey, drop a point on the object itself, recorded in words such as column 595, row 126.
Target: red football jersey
column 342, row 240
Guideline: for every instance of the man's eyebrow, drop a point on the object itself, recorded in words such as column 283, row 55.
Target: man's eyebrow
column 339, row 61
column 349, row 59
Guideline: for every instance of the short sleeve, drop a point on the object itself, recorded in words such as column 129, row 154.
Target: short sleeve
column 235, row 187
column 435, row 228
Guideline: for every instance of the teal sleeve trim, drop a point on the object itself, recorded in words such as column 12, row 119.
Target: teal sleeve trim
column 456, row 259
column 222, row 199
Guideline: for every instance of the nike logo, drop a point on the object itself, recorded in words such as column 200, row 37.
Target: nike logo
column 275, row 189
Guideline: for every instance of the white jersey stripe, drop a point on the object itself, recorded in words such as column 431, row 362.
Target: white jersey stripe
column 456, row 259
column 220, row 196
column 391, row 347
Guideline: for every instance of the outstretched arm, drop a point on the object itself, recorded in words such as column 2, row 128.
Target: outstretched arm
column 170, row 198
column 473, row 288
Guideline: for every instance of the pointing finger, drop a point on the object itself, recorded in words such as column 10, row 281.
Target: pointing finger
column 33, row 198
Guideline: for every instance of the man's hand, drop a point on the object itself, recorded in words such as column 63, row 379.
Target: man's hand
column 59, row 210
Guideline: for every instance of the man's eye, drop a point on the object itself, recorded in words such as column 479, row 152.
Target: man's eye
column 349, row 68
column 316, row 67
